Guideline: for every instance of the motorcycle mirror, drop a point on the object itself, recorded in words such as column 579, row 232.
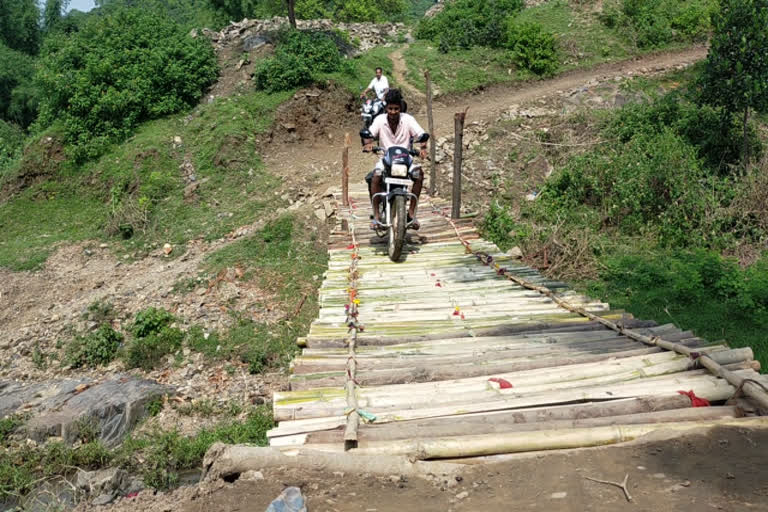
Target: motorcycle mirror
column 424, row 137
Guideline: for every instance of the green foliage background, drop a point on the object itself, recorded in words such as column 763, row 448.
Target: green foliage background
column 117, row 72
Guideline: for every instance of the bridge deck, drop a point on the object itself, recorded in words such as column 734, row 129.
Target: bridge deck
column 451, row 359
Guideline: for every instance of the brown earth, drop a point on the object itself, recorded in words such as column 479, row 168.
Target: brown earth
column 723, row 469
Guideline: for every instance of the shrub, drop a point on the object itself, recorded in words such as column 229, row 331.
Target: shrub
column 120, row 69
column 11, row 141
column 652, row 183
column 467, row 23
column 300, row 58
column 147, row 352
column 532, row 47
column 97, row 348
column 150, row 321
column 702, row 126
column 655, row 23
column 17, row 96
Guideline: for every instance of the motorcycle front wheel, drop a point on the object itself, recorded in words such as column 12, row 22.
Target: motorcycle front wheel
column 397, row 228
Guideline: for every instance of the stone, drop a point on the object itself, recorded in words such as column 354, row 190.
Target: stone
column 189, row 190
column 104, row 499
column 103, row 481
column 538, row 166
column 167, row 249
column 516, row 253
column 253, row 42
column 58, row 406
column 328, row 208
column 462, row 495
column 558, row 495
column 290, row 500
column 252, row 475
column 320, row 214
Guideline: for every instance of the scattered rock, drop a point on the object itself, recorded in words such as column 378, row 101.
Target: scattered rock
column 462, row 495
column 167, row 249
column 58, row 407
column 104, row 499
column 515, row 253
column 191, row 189
column 101, row 482
column 320, row 214
column 558, row 495
column 252, row 475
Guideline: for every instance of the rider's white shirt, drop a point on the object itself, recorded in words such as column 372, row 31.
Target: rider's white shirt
column 380, row 86
column 406, row 129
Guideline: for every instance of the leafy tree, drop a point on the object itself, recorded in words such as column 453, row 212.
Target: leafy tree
column 188, row 13
column 736, row 71
column 17, row 93
column 120, row 69
column 53, row 13
column 19, row 27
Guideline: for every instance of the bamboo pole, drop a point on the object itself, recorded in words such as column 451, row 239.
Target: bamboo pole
column 558, row 439
column 431, row 124
column 458, row 148
column 222, row 461
column 345, row 171
column 370, row 436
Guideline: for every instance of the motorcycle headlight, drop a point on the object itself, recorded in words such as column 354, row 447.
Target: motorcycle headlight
column 399, row 170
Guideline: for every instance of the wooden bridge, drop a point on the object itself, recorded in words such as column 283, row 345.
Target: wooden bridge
column 459, row 351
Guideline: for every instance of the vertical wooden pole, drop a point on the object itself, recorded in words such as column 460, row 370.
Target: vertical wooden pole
column 431, row 121
column 345, row 172
column 458, row 124
column 345, row 179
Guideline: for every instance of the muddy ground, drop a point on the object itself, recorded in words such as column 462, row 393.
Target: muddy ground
column 723, row 469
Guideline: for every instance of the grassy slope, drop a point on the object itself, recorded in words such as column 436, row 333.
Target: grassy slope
column 584, row 42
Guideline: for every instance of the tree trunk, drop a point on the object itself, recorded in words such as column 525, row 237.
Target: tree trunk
column 292, row 13
column 745, row 148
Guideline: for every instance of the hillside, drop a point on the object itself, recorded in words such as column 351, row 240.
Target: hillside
column 187, row 247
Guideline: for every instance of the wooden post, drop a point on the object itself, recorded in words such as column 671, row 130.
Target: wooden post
column 345, row 172
column 431, row 121
column 458, row 143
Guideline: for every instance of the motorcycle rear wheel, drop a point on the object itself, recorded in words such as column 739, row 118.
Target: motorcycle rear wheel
column 397, row 228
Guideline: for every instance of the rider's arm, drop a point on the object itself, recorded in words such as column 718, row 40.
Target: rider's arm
column 370, row 86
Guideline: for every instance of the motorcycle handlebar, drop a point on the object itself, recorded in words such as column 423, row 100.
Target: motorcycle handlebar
column 379, row 149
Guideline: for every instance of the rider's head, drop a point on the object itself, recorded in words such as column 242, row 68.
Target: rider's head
column 394, row 102
column 378, row 72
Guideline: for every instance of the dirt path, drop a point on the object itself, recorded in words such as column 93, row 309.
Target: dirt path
column 399, row 69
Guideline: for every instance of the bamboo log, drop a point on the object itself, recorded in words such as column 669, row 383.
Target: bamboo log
column 226, row 461
column 369, row 437
column 426, row 373
column 703, row 385
column 473, row 446
column 458, row 148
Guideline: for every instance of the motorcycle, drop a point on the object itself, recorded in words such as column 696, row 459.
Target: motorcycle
column 370, row 109
column 393, row 204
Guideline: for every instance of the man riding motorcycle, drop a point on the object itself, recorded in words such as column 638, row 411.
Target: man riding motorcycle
column 395, row 129
column 379, row 84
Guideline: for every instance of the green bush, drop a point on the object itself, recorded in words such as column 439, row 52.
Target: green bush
column 11, row 141
column 656, row 23
column 148, row 351
column 97, row 348
column 150, row 321
column 301, row 57
column 18, row 99
column 120, row 69
column 652, row 183
column 532, row 47
column 467, row 23
column 700, row 125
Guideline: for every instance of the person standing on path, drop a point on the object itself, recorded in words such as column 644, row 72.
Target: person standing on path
column 379, row 84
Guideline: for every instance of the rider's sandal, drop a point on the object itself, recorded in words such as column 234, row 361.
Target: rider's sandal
column 375, row 224
column 413, row 223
